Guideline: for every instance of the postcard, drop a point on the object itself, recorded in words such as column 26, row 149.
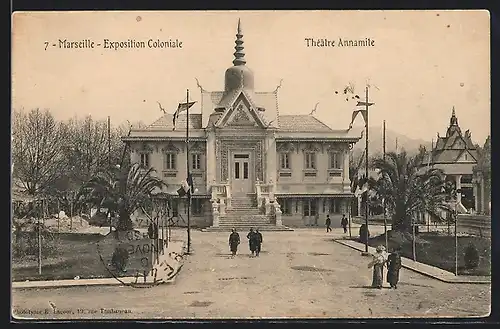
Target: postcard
column 250, row 165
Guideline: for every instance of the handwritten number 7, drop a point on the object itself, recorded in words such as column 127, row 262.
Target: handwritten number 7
column 46, row 45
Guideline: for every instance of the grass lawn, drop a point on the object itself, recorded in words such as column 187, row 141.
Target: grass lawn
column 72, row 255
column 439, row 250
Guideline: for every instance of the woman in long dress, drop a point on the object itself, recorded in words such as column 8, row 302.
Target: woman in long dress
column 393, row 267
column 378, row 262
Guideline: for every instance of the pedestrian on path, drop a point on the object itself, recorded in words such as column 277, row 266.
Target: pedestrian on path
column 251, row 236
column 393, row 267
column 344, row 223
column 378, row 262
column 258, row 238
column 234, row 241
column 328, row 224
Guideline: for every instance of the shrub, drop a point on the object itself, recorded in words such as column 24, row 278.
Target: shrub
column 471, row 257
column 119, row 259
column 364, row 233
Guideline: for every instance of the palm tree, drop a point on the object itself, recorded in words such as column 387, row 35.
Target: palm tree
column 122, row 191
column 408, row 188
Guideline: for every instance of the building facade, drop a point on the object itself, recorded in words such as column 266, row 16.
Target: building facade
column 251, row 165
column 457, row 155
column 482, row 180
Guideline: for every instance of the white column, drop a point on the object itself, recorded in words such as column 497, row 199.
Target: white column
column 484, row 207
column 476, row 188
column 458, row 186
column 211, row 160
column 347, row 181
column 270, row 174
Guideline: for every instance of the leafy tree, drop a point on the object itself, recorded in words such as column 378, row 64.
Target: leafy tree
column 122, row 190
column 37, row 141
column 408, row 188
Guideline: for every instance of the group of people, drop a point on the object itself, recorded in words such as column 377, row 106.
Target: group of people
column 254, row 241
column 393, row 263
column 343, row 222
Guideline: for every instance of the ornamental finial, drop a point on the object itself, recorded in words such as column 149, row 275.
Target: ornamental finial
column 239, row 54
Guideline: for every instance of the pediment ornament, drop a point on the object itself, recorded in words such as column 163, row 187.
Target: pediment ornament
column 170, row 147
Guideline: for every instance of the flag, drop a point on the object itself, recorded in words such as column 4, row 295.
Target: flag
column 355, row 114
column 181, row 108
column 187, row 187
column 364, row 103
column 362, row 186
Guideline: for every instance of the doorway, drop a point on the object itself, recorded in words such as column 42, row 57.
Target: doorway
column 241, row 173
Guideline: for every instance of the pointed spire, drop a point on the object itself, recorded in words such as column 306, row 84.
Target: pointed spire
column 453, row 119
column 239, row 55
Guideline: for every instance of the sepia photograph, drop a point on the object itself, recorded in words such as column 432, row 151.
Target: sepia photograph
column 193, row 165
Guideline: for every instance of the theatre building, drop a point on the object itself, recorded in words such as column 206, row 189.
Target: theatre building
column 252, row 164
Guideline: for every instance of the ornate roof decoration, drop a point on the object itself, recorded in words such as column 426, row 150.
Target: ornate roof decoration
column 170, row 147
column 285, row 147
column 197, row 147
column 239, row 54
column 145, row 147
column 310, row 147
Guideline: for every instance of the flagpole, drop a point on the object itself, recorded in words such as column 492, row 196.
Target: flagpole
column 366, row 165
column 187, row 169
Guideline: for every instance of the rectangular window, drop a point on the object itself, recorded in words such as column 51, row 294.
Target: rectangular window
column 286, row 206
column 310, row 160
column 313, row 208
column 196, row 206
column 169, row 161
column 310, row 208
column 285, row 161
column 237, row 170
column 245, row 170
column 334, row 160
column 196, row 161
column 334, row 206
column 145, row 159
column 306, row 207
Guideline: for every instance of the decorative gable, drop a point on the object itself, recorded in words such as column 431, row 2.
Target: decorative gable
column 310, row 147
column 466, row 156
column 170, row 148
column 285, row 147
column 458, row 144
column 241, row 117
column 241, row 112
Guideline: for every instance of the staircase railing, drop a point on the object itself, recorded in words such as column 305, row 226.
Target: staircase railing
column 221, row 199
column 266, row 200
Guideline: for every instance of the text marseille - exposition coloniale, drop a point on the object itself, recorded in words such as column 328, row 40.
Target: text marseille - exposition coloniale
column 127, row 44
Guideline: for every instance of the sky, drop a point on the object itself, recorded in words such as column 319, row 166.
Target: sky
column 422, row 64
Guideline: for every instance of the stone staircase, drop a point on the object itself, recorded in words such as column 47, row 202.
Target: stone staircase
column 243, row 215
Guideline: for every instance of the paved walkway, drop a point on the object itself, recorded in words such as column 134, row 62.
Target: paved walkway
column 424, row 269
column 299, row 274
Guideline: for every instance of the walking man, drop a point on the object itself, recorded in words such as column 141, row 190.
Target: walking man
column 344, row 223
column 328, row 223
column 258, row 241
column 251, row 236
column 234, row 241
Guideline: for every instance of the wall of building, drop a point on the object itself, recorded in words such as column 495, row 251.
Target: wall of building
column 299, row 179
column 297, row 219
column 173, row 178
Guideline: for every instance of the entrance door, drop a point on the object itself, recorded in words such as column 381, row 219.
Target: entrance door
column 241, row 174
column 310, row 208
